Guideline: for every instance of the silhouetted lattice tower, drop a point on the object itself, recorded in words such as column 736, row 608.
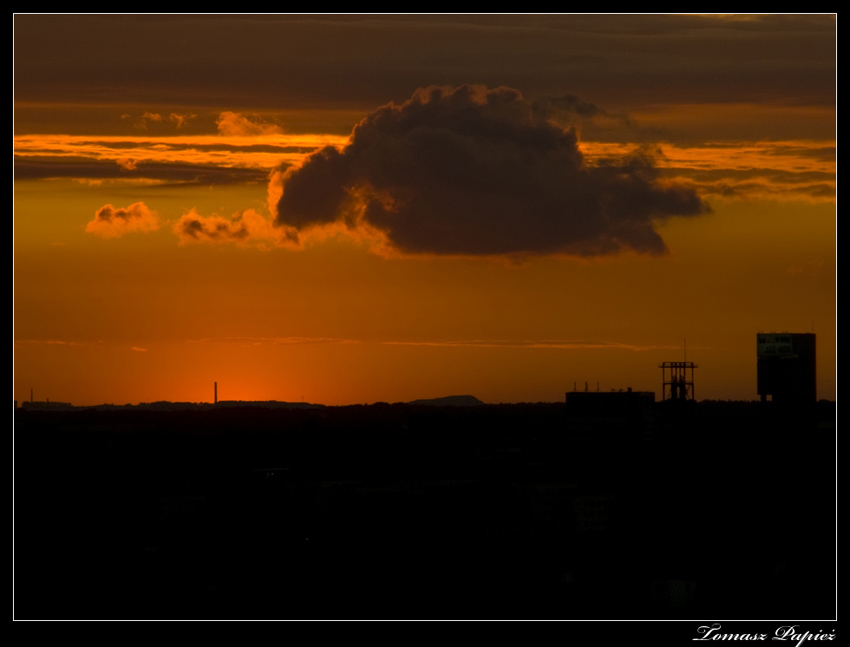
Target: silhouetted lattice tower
column 677, row 383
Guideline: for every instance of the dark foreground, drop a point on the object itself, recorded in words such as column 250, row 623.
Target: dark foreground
column 722, row 510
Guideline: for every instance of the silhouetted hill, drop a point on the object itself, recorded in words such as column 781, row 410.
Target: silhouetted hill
column 450, row 401
column 267, row 404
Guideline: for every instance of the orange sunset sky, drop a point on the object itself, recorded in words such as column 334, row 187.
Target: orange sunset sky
column 350, row 209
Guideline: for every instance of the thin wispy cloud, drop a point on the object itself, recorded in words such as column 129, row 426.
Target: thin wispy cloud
column 219, row 160
column 542, row 343
column 212, row 157
column 275, row 341
column 551, row 344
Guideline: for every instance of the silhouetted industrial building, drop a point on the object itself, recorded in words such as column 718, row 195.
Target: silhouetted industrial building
column 47, row 406
column 786, row 368
column 628, row 405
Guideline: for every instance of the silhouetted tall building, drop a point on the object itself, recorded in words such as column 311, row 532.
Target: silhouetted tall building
column 786, row 368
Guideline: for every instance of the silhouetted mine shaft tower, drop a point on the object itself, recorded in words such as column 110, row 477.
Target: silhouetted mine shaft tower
column 676, row 385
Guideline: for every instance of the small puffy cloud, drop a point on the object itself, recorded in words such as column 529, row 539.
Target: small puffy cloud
column 148, row 118
column 111, row 222
column 472, row 171
column 233, row 124
column 248, row 228
column 180, row 120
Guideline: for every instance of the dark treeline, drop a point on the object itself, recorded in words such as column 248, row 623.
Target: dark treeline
column 721, row 509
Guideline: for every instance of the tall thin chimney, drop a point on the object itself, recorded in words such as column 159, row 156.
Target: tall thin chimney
column 215, row 392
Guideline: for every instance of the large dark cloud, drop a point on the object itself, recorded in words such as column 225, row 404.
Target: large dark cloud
column 473, row 171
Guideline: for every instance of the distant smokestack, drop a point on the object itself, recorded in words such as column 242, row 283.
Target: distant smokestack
column 215, row 392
